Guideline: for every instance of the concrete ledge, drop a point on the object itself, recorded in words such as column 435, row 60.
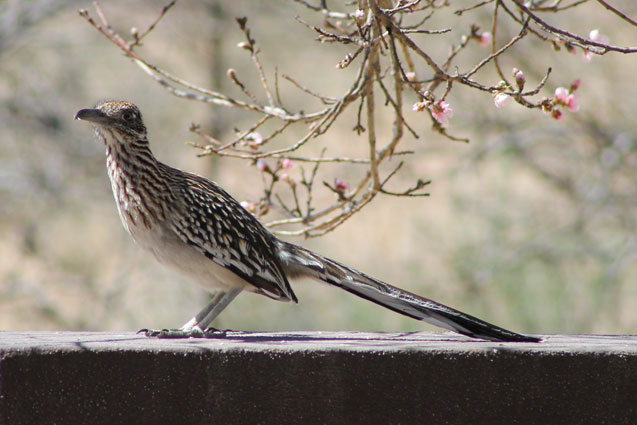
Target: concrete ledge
column 315, row 377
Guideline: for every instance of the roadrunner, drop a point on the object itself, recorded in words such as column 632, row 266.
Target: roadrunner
column 193, row 225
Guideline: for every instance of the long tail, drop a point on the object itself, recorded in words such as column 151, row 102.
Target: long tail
column 299, row 261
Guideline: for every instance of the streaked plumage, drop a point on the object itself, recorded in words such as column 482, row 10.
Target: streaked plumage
column 190, row 223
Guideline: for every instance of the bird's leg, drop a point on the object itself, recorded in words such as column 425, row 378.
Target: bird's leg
column 216, row 305
column 197, row 327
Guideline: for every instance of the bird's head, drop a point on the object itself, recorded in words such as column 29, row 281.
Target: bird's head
column 115, row 120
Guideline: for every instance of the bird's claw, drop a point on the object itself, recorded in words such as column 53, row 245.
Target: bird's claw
column 183, row 333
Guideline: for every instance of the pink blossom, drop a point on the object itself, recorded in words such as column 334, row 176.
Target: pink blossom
column 441, row 112
column 572, row 102
column 587, row 56
column 359, row 14
column 262, row 165
column 567, row 98
column 561, row 95
column 287, row 163
column 501, row 99
column 255, row 137
column 484, row 39
column 340, row 185
column 596, row 36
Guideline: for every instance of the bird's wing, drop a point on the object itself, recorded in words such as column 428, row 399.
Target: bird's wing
column 229, row 235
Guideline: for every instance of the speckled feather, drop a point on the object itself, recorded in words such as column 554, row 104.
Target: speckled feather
column 192, row 224
column 221, row 229
column 151, row 195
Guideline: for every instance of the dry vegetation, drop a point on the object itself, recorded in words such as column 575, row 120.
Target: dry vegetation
column 530, row 225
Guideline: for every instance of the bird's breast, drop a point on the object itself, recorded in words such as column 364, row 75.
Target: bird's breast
column 138, row 209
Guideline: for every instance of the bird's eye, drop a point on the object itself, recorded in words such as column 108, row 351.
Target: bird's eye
column 127, row 116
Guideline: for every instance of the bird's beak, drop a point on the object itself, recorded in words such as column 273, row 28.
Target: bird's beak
column 92, row 115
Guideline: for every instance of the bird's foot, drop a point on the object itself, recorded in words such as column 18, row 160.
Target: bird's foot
column 183, row 333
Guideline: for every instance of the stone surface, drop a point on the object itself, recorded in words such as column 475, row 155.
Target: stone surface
column 315, row 377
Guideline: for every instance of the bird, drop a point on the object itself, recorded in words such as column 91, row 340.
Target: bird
column 193, row 225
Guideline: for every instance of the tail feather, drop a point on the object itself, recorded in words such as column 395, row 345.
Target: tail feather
column 299, row 261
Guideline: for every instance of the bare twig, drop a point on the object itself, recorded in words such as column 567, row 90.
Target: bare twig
column 379, row 36
column 137, row 38
column 617, row 12
column 590, row 45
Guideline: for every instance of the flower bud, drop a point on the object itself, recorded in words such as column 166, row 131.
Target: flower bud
column 262, row 165
column 484, row 39
column 574, row 85
column 287, row 163
column 341, row 185
column 289, row 180
column 557, row 115
column 570, row 48
column 501, row 99
column 255, row 137
column 520, row 79
column 419, row 106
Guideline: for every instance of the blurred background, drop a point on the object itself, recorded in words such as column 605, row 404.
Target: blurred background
column 531, row 226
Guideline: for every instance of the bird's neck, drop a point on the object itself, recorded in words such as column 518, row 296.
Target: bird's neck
column 139, row 189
